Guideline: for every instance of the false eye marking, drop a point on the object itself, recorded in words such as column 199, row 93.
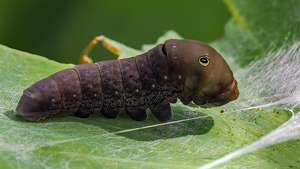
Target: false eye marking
column 204, row 60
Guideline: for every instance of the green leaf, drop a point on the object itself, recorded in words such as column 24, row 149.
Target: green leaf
column 261, row 44
column 168, row 35
column 119, row 49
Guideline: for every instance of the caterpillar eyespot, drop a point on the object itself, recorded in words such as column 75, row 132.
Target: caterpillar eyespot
column 204, row 60
column 151, row 80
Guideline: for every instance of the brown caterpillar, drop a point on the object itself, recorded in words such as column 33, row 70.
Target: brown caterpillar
column 186, row 69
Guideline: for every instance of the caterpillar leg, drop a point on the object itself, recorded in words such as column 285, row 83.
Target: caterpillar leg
column 162, row 111
column 137, row 114
column 110, row 114
column 83, row 113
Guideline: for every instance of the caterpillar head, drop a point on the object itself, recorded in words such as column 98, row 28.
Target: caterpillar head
column 208, row 78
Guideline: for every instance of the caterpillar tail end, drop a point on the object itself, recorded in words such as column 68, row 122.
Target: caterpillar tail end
column 30, row 108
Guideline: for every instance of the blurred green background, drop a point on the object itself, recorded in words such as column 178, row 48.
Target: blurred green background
column 60, row 30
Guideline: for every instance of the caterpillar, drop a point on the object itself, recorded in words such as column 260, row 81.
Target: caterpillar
column 186, row 69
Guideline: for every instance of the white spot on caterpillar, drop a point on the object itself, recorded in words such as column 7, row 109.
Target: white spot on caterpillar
column 95, row 95
column 174, row 46
column 165, row 77
column 179, row 77
column 137, row 90
column 74, row 95
column 53, row 100
column 32, row 96
column 116, row 92
column 153, row 86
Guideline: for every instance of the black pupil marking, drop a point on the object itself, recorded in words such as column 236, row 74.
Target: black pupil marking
column 204, row 60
